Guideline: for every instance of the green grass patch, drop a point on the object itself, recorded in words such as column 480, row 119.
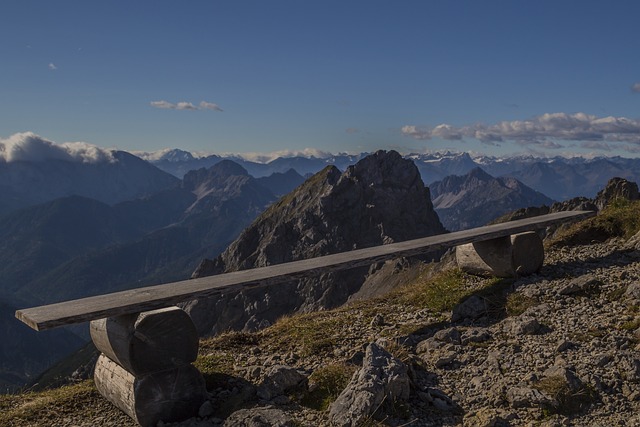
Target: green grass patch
column 327, row 383
column 567, row 402
column 439, row 293
column 620, row 219
column 306, row 334
column 48, row 407
column 631, row 325
column 518, row 303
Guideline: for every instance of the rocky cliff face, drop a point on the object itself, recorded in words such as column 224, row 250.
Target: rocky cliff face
column 381, row 199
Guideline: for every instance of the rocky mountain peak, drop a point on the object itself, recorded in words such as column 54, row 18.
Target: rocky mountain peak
column 214, row 175
column 616, row 188
column 379, row 200
column 476, row 198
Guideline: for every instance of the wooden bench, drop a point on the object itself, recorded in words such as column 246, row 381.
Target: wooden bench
column 148, row 345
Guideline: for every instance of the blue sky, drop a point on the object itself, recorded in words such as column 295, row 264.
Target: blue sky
column 499, row 77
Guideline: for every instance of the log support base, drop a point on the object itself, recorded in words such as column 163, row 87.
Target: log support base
column 511, row 256
column 145, row 365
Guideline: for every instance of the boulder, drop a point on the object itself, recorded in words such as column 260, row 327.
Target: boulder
column 382, row 379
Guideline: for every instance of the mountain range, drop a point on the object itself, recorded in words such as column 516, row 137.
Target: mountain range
column 559, row 178
column 122, row 177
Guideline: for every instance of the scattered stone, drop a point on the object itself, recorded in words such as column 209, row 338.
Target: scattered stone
column 378, row 320
column 633, row 291
column 259, row 417
column 472, row 308
column 449, row 335
column 522, row 325
column 580, row 285
column 526, row 397
column 564, row 345
column 475, row 335
column 485, row 417
column 280, row 379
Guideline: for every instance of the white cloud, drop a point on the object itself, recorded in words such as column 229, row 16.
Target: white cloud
column 636, row 87
column 543, row 131
column 162, row 104
column 204, row 105
column 28, row 146
column 52, row 66
column 183, row 105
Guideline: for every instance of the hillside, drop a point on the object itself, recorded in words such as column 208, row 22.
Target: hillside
column 555, row 348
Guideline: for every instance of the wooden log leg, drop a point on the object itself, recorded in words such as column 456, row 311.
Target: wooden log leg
column 527, row 253
column 171, row 395
column 149, row 341
column 517, row 255
column 145, row 366
column 486, row 257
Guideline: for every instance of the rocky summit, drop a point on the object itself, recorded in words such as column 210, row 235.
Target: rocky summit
column 381, row 199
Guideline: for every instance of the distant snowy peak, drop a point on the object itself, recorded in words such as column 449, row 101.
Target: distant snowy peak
column 166, row 154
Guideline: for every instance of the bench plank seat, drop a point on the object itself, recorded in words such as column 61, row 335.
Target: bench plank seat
column 159, row 296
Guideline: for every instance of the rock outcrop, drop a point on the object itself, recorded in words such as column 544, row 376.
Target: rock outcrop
column 380, row 200
column 382, row 378
column 617, row 188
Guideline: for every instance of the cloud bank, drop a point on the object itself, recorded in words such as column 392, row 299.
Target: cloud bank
column 29, row 147
column 204, row 105
column 636, row 87
column 545, row 131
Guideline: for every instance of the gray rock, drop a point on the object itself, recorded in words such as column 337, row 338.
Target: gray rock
column 526, row 397
column 206, row 409
column 579, row 285
column 475, row 335
column 259, row 417
column 449, row 335
column 280, row 379
column 523, row 325
column 378, row 320
column 616, row 188
column 473, row 307
column 382, row 378
column 633, row 243
column 633, row 291
column 567, row 375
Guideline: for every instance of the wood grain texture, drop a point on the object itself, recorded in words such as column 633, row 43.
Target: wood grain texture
column 152, row 297
column 486, row 257
column 171, row 395
column 147, row 342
